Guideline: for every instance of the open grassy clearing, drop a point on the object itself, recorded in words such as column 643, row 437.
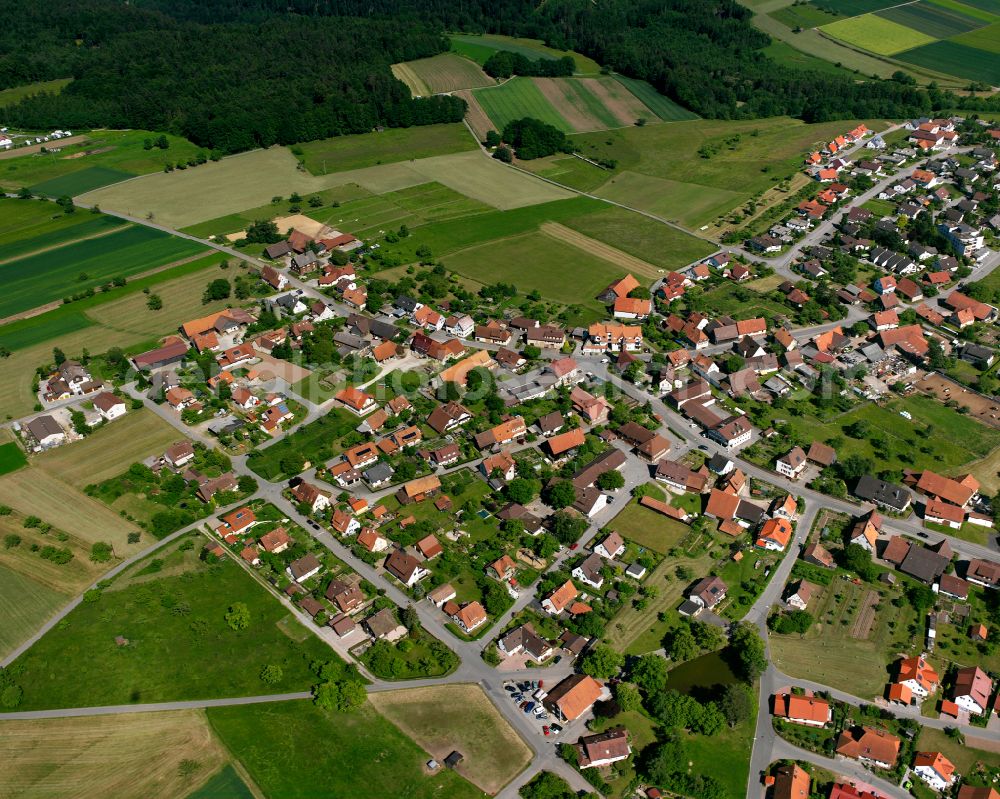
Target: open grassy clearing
column 931, row 19
column 445, row 718
column 649, row 528
column 341, row 153
column 987, row 38
column 35, row 492
column 730, row 300
column 520, row 97
column 877, row 34
column 12, row 457
column 109, row 451
column 661, row 105
column 703, row 166
column 600, row 249
column 130, row 756
column 296, row 749
column 218, row 660
column 16, row 94
column 181, row 302
column 837, row 650
column 441, row 73
column 958, row 59
column 38, row 279
column 25, row 604
column 68, row 579
column 549, row 262
column 481, row 47
column 568, row 170
column 122, row 151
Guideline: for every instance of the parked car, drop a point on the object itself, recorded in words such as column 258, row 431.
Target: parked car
column 539, row 710
column 574, row 546
column 543, row 717
column 556, row 728
column 509, row 688
column 546, row 730
column 529, row 708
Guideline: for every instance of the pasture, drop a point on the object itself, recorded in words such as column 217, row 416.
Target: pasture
column 444, row 718
column 295, row 749
column 219, row 661
column 847, row 648
column 109, row 451
column 34, row 492
column 122, row 151
column 35, row 280
column 447, row 72
column 342, row 153
column 876, row 34
column 128, row 756
column 544, row 264
column 14, row 95
column 481, row 47
column 25, row 605
column 957, row 58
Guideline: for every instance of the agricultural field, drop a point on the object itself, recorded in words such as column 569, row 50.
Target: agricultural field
column 113, row 155
column 445, row 718
column 573, row 105
column 586, row 244
column 804, row 15
column 16, row 94
column 857, row 633
column 958, row 59
column 987, row 38
column 661, row 105
column 447, row 72
column 28, row 226
column 568, row 170
column 786, row 55
column 295, row 749
column 12, row 457
column 342, row 153
column 25, row 604
column 931, row 19
column 34, row 492
column 227, row 784
column 109, row 451
column 547, row 258
column 218, row 661
column 853, row 8
column 129, row 756
column 480, row 47
column 694, row 171
column 37, row 279
column 877, row 34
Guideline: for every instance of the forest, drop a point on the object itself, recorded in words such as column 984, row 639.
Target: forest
column 236, row 74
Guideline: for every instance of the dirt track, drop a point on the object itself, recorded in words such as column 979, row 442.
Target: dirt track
column 601, row 250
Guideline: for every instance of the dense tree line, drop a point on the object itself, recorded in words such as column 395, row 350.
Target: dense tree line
column 236, row 74
column 532, row 138
column 503, row 64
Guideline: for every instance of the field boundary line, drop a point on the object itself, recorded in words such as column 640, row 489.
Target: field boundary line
column 887, row 8
column 158, row 707
column 51, row 247
column 607, row 252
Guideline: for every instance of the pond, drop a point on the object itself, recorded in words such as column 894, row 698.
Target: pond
column 701, row 673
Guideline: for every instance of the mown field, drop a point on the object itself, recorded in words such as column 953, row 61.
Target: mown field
column 121, row 151
column 480, row 47
column 109, row 451
column 449, row 717
column 783, row 53
column 342, row 153
column 25, row 604
column 130, row 756
column 877, row 34
column 441, row 73
column 218, row 661
column 296, row 749
column 37, row 279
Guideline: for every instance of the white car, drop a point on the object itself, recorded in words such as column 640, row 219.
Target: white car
column 539, row 710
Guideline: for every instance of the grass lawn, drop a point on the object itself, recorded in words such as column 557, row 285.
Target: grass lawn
column 648, row 528
column 444, row 718
column 726, row 755
column 35, row 280
column 830, row 654
column 128, row 756
column 16, row 94
column 122, row 151
column 740, row 302
column 390, row 145
column 12, row 457
column 877, row 34
column 549, row 260
column 317, row 442
column 880, row 207
column 964, row 756
column 25, row 604
column 109, row 451
column 296, row 749
column 218, row 661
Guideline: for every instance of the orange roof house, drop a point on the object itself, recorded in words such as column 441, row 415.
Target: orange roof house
column 802, row 709
column 869, row 744
column 918, row 674
column 775, row 534
column 574, row 696
column 459, row 372
column 622, row 287
column 557, row 601
column 564, row 442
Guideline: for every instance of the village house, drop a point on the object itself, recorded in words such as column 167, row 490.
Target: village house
column 311, row 495
column 869, row 745
column 405, row 568
column 594, row 751
column 558, row 600
column 525, row 639
column 808, row 710
column 934, row 769
column 573, row 697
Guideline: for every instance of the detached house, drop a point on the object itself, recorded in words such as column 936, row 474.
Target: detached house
column 405, row 568
column 311, row 495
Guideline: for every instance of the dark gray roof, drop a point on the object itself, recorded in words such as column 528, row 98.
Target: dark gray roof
column 882, row 493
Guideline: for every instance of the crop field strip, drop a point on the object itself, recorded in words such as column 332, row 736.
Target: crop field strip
column 87, row 228
column 986, row 10
column 877, row 34
column 517, row 98
column 986, row 39
column 956, row 59
column 933, row 20
column 77, row 183
column 35, row 280
column 853, row 8
column 447, row 72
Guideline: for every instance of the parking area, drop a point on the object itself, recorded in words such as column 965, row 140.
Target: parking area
column 527, row 695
